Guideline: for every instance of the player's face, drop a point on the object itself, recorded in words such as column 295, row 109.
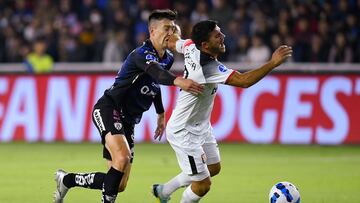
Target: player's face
column 216, row 41
column 161, row 30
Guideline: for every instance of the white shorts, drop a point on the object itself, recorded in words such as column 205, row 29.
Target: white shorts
column 194, row 152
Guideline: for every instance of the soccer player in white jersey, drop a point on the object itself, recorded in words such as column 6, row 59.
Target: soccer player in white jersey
column 189, row 130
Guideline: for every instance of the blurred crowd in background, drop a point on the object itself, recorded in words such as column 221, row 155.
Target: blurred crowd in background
column 107, row 30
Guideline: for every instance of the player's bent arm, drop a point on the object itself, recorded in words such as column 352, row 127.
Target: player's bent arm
column 174, row 38
column 249, row 78
column 165, row 77
column 172, row 42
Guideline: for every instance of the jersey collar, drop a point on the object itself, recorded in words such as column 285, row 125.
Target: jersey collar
column 150, row 45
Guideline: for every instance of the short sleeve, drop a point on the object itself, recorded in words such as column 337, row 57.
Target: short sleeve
column 216, row 72
column 182, row 44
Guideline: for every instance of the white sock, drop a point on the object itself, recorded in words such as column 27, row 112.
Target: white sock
column 189, row 196
column 177, row 182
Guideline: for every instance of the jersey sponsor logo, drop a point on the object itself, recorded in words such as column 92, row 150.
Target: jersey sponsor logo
column 147, row 91
column 98, row 120
column 118, row 125
column 222, row 68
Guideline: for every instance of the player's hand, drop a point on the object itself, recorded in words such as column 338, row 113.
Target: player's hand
column 280, row 55
column 189, row 85
column 160, row 127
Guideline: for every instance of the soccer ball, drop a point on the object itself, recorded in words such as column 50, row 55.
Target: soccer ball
column 284, row 192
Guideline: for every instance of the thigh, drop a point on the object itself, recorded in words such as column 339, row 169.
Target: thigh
column 191, row 158
column 212, row 153
column 108, row 120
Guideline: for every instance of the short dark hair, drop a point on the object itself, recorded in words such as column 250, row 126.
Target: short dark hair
column 162, row 14
column 201, row 31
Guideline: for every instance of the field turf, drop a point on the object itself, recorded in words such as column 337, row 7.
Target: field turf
column 323, row 174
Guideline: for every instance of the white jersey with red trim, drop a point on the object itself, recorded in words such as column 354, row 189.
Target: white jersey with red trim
column 193, row 112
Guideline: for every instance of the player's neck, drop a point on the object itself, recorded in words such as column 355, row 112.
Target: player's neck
column 210, row 53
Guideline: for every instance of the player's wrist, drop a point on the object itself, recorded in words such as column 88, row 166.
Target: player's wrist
column 177, row 81
column 272, row 64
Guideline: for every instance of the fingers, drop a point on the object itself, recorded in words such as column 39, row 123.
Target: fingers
column 285, row 50
column 158, row 137
column 158, row 133
column 193, row 87
column 196, row 89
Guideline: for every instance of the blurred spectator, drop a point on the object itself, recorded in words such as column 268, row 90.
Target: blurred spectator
column 302, row 34
column 38, row 61
column 242, row 49
column 200, row 12
column 221, row 12
column 319, row 52
column 117, row 47
column 275, row 42
column 340, row 51
column 258, row 51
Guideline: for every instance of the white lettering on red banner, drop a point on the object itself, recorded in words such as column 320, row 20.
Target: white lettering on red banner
column 282, row 108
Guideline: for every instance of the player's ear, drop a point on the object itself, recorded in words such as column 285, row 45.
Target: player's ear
column 152, row 27
column 204, row 45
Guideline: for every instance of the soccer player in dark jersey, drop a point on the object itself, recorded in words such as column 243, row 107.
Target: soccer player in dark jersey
column 135, row 89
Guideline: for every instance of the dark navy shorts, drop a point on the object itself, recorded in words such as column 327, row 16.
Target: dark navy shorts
column 107, row 119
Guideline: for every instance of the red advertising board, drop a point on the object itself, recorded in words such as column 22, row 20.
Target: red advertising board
column 282, row 108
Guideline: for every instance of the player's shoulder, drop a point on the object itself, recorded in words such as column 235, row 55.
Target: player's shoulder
column 210, row 64
column 145, row 50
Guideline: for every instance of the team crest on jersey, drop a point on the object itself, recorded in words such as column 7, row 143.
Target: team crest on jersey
column 150, row 57
column 118, row 125
column 222, row 68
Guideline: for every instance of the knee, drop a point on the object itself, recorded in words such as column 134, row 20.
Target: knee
column 121, row 161
column 202, row 187
column 215, row 170
column 206, row 186
column 122, row 187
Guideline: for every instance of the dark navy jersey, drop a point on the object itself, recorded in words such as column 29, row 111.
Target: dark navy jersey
column 134, row 91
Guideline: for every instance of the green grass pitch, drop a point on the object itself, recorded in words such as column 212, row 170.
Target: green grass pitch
column 323, row 174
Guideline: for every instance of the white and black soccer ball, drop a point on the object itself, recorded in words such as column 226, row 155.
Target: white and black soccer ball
column 284, row 192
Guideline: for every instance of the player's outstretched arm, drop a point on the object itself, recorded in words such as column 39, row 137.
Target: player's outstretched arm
column 249, row 78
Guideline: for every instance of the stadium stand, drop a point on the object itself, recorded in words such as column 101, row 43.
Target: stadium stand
column 106, row 30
